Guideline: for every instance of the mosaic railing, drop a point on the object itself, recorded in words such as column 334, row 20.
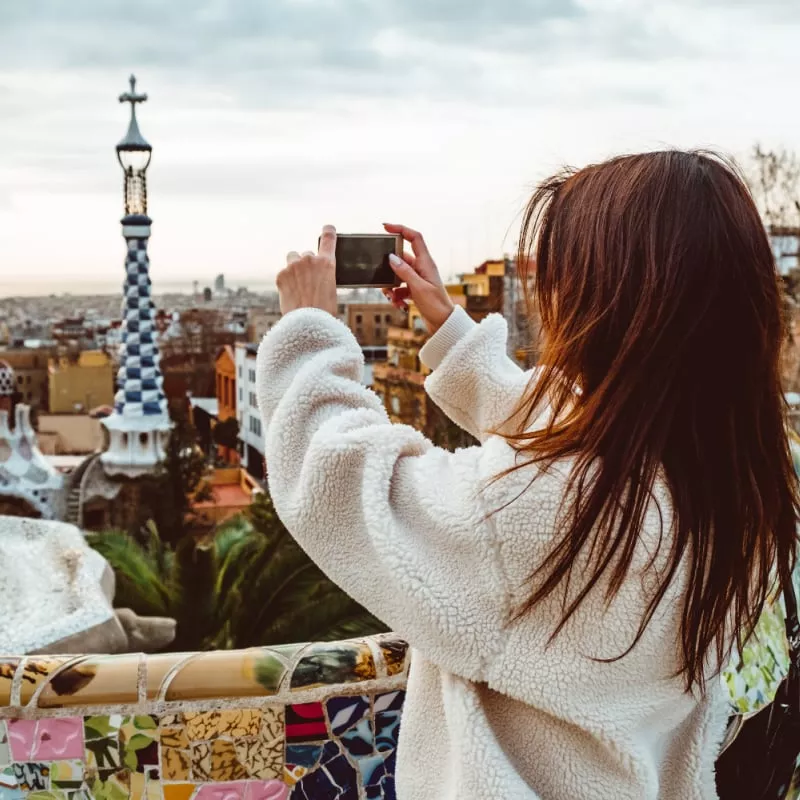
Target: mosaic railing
column 299, row 721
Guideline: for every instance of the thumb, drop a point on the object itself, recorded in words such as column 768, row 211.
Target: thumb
column 406, row 272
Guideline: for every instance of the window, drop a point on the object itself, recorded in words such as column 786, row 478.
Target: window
column 20, row 379
column 28, row 380
column 358, row 319
column 240, row 370
column 253, row 400
column 395, row 402
column 359, row 334
column 241, row 395
column 252, row 375
column 29, row 396
column 388, row 319
column 377, row 319
column 378, row 333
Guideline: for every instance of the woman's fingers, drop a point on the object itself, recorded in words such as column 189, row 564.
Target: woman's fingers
column 292, row 256
column 423, row 263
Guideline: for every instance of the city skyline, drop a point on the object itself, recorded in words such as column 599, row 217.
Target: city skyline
column 267, row 122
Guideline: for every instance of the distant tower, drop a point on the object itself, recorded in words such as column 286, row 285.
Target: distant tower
column 139, row 427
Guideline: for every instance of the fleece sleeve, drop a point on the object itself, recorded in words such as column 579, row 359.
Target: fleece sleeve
column 473, row 380
column 396, row 522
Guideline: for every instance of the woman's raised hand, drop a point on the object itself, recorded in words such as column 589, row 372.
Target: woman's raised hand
column 423, row 284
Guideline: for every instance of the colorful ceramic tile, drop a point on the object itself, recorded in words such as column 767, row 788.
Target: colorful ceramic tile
column 293, row 774
column 21, row 738
column 67, row 775
column 253, row 673
column 9, row 785
column 178, row 791
column 394, row 655
column 5, row 751
column 272, row 723
column 116, row 787
column 335, row 779
column 205, row 725
column 154, row 789
column 175, row 764
column 305, row 722
column 32, row 777
column 174, row 737
column 331, row 663
column 8, row 666
column 387, row 729
column 36, row 671
column 59, row 738
column 261, row 760
column 102, row 743
column 343, row 712
column 359, row 741
column 221, row 791
column 136, row 784
column 53, row 794
column 266, row 790
column 216, row 761
column 303, row 755
column 390, row 701
column 138, row 740
column 94, row 680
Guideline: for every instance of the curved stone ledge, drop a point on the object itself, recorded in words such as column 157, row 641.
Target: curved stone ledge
column 304, row 721
column 32, row 686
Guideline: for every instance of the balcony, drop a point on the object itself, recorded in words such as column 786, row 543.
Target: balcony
column 406, row 336
column 397, row 375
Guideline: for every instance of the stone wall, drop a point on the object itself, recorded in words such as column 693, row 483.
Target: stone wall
column 299, row 721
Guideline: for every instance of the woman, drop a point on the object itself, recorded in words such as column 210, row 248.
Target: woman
column 572, row 586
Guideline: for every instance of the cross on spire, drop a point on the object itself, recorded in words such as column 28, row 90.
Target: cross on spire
column 131, row 96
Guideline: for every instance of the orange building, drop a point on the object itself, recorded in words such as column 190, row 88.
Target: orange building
column 225, row 369
column 370, row 322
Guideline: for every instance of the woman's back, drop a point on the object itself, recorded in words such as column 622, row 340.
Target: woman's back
column 571, row 585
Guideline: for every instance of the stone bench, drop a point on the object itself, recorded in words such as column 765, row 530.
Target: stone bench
column 300, row 721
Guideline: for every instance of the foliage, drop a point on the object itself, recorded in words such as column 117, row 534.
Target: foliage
column 226, row 433
column 250, row 584
column 177, row 483
column 272, row 592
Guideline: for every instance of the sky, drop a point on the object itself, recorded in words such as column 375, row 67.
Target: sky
column 269, row 118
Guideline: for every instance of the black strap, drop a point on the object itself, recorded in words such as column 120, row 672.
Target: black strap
column 792, row 623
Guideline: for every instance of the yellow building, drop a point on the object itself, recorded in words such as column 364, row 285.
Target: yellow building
column 81, row 382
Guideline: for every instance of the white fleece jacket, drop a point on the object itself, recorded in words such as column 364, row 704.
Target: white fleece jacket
column 406, row 529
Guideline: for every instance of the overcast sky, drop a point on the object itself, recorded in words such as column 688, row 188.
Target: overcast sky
column 269, row 118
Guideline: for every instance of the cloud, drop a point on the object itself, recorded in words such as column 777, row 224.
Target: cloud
column 287, row 52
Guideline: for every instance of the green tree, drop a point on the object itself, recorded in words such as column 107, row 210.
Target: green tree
column 177, row 483
column 249, row 584
column 226, row 433
column 272, row 592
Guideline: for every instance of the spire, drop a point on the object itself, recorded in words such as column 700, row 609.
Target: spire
column 139, row 427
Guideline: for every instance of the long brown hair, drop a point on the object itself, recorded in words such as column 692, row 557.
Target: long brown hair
column 658, row 298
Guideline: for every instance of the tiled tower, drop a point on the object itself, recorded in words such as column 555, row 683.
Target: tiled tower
column 139, row 427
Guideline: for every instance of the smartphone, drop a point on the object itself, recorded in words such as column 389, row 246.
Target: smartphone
column 362, row 259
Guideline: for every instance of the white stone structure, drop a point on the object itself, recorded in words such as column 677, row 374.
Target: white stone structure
column 24, row 472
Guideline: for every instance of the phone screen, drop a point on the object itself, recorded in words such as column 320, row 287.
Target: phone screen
column 364, row 260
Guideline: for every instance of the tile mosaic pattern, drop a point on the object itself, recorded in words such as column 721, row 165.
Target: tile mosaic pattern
column 286, row 723
column 258, row 725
